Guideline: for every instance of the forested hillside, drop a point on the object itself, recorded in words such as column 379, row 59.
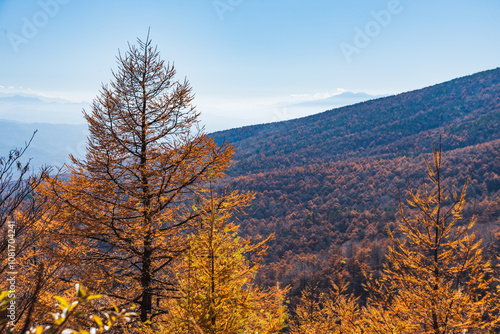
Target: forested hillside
column 327, row 185
column 465, row 111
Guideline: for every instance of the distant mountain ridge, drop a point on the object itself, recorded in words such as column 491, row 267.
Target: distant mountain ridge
column 339, row 100
column 30, row 108
column 20, row 98
column 39, row 97
column 50, row 146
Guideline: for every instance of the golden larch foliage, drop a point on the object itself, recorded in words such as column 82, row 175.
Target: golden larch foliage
column 126, row 207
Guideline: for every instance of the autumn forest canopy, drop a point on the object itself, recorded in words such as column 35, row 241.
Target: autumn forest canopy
column 380, row 217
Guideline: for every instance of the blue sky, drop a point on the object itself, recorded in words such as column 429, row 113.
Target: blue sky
column 246, row 58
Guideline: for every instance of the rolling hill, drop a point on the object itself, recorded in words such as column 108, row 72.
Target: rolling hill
column 327, row 185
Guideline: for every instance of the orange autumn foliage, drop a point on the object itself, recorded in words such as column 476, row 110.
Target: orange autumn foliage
column 122, row 212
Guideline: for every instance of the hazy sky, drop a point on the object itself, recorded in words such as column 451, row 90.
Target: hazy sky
column 248, row 56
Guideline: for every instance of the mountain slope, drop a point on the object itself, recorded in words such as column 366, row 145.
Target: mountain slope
column 327, row 185
column 464, row 110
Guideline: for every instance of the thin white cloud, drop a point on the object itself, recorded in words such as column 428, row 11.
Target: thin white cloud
column 263, row 104
column 263, row 110
column 76, row 97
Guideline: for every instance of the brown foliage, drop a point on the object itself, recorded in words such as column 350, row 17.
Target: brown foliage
column 122, row 212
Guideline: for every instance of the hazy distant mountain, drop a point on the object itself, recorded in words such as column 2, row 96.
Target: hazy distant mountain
column 51, row 144
column 336, row 101
column 20, row 99
column 35, row 108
